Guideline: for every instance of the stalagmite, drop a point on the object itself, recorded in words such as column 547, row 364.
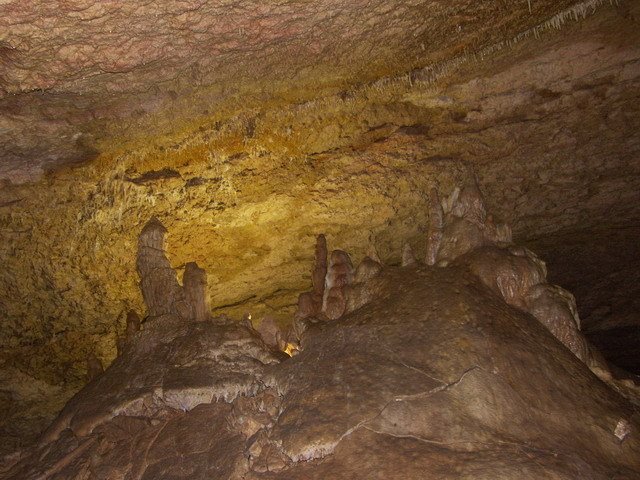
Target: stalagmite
column 344, row 290
column 508, row 274
column 339, row 275
column 320, row 268
column 555, row 308
column 133, row 325
column 194, row 281
column 270, row 332
column 158, row 281
column 497, row 233
column 464, row 224
column 368, row 269
column 460, row 225
column 469, row 204
column 310, row 303
column 434, row 231
column 471, row 237
column 451, row 355
column 364, row 288
column 94, row 367
column 408, row 258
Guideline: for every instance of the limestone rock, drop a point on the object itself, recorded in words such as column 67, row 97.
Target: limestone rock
column 162, row 293
column 94, row 367
column 310, row 303
column 555, row 308
column 365, row 286
column 106, row 63
column 436, row 376
column 551, row 127
column 471, row 238
column 339, row 275
column 133, row 324
column 271, row 333
column 194, row 283
column 367, row 269
column 465, row 225
column 171, row 365
column 507, row 274
column 408, row 258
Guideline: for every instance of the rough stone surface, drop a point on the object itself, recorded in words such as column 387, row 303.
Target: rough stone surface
column 549, row 125
column 194, row 283
column 339, row 276
column 437, row 377
column 74, row 71
column 162, row 293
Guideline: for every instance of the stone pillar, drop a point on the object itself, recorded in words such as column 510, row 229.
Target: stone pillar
column 161, row 291
column 133, row 325
column 194, row 282
column 434, row 230
column 339, row 275
column 94, row 367
column 310, row 303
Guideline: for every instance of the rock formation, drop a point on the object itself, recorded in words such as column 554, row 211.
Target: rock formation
column 465, row 226
column 113, row 112
column 311, row 303
column 162, row 293
column 338, row 288
column 408, row 372
column 469, row 236
column 339, row 275
column 408, row 258
column 133, row 324
column 94, row 367
column 556, row 309
column 194, row 282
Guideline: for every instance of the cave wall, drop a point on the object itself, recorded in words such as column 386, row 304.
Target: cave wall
column 549, row 125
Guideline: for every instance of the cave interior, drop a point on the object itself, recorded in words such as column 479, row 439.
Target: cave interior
column 247, row 214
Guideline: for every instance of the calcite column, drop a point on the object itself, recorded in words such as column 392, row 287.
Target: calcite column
column 94, row 367
column 194, row 282
column 133, row 325
column 310, row 303
column 434, row 231
column 339, row 275
column 161, row 291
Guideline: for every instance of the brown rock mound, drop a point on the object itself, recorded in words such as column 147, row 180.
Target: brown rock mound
column 436, row 377
column 473, row 370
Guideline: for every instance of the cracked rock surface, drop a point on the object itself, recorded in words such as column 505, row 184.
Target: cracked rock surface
column 436, row 377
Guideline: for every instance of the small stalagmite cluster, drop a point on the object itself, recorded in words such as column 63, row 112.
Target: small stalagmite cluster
column 460, row 232
column 465, row 233
column 338, row 289
column 162, row 293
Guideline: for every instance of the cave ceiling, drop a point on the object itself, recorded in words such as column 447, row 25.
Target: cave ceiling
column 248, row 128
column 77, row 77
